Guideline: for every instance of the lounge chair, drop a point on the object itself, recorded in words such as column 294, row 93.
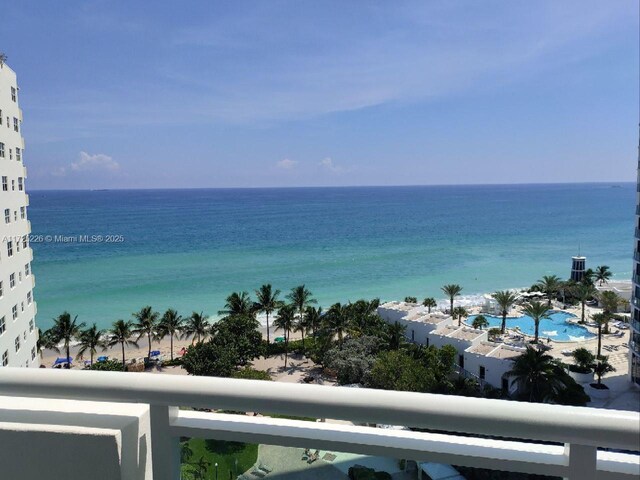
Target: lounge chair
column 566, row 352
column 265, row 468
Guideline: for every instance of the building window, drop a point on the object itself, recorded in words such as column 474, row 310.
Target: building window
column 5, row 186
column 27, row 270
column 14, row 311
column 461, row 361
column 505, row 385
column 3, row 325
column 15, row 215
column 18, row 154
column 20, row 184
column 23, row 213
column 24, row 242
column 1, row 290
column 7, row 215
column 0, row 116
column 12, row 280
column 15, row 124
column 20, row 277
column 22, row 306
column 17, row 343
column 31, row 325
column 5, row 358
column 13, row 94
column 33, row 353
column 482, row 372
column 28, row 298
column 1, row 150
column 13, row 185
column 10, row 154
column 10, row 249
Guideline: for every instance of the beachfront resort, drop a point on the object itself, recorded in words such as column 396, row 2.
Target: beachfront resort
column 558, row 342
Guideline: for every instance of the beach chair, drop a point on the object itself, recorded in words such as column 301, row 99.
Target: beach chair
column 258, row 473
column 265, row 468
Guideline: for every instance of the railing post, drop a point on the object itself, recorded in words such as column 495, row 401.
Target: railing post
column 582, row 461
column 165, row 449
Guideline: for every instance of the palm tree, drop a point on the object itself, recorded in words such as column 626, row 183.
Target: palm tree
column 336, row 321
column 587, row 276
column 609, row 301
column 549, row 285
column 91, row 339
column 537, row 311
column 170, row 324
column 64, row 330
column 537, row 375
column 452, row 291
column 285, row 321
column 46, row 342
column 505, row 300
column 313, row 317
column 3, row 59
column 395, row 335
column 602, row 367
column 600, row 319
column 603, row 274
column 301, row 298
column 196, row 326
column 583, row 292
column 480, row 322
column 460, row 312
column 238, row 304
column 430, row 303
column 267, row 302
column 121, row 333
column 146, row 324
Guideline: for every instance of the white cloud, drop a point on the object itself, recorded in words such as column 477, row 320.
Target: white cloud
column 286, row 164
column 89, row 163
column 329, row 165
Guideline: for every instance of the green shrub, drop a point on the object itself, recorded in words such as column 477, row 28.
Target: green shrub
column 252, row 374
column 172, row 363
column 107, row 366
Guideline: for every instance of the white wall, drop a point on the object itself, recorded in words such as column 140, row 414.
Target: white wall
column 74, row 440
column 14, row 199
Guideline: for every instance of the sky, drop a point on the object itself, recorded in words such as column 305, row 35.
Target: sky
column 307, row 93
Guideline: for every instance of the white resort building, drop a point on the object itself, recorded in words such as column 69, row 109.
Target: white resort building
column 634, row 339
column 477, row 357
column 18, row 334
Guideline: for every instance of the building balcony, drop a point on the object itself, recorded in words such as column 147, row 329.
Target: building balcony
column 636, row 256
column 130, row 425
column 638, row 233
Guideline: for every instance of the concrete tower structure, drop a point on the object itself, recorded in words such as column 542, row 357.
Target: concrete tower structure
column 18, row 334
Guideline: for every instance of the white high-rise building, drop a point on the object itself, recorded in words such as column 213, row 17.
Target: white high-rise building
column 18, row 333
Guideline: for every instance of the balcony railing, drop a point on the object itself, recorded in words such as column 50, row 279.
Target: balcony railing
column 575, row 433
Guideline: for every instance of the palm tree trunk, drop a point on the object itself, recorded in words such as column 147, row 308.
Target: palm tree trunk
column 599, row 339
column 286, row 349
column 451, row 311
column 503, row 327
column 537, row 321
column 268, row 340
column 149, row 337
column 68, row 355
column 123, row 360
column 582, row 317
column 172, row 347
column 91, row 356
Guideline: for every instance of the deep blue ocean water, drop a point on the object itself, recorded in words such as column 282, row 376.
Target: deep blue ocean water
column 189, row 249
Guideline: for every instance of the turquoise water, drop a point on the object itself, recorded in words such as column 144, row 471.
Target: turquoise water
column 556, row 327
column 189, row 249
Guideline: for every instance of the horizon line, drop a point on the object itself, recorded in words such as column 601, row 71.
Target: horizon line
column 612, row 183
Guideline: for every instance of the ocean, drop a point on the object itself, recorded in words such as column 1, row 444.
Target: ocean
column 102, row 255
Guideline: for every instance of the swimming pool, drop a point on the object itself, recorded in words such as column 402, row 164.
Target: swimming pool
column 556, row 327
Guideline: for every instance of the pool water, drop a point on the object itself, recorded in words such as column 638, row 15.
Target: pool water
column 556, row 327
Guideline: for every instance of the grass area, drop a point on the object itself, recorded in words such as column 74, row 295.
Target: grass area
column 291, row 417
column 204, row 454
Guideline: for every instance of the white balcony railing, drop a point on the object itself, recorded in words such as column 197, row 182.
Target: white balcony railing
column 570, row 442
